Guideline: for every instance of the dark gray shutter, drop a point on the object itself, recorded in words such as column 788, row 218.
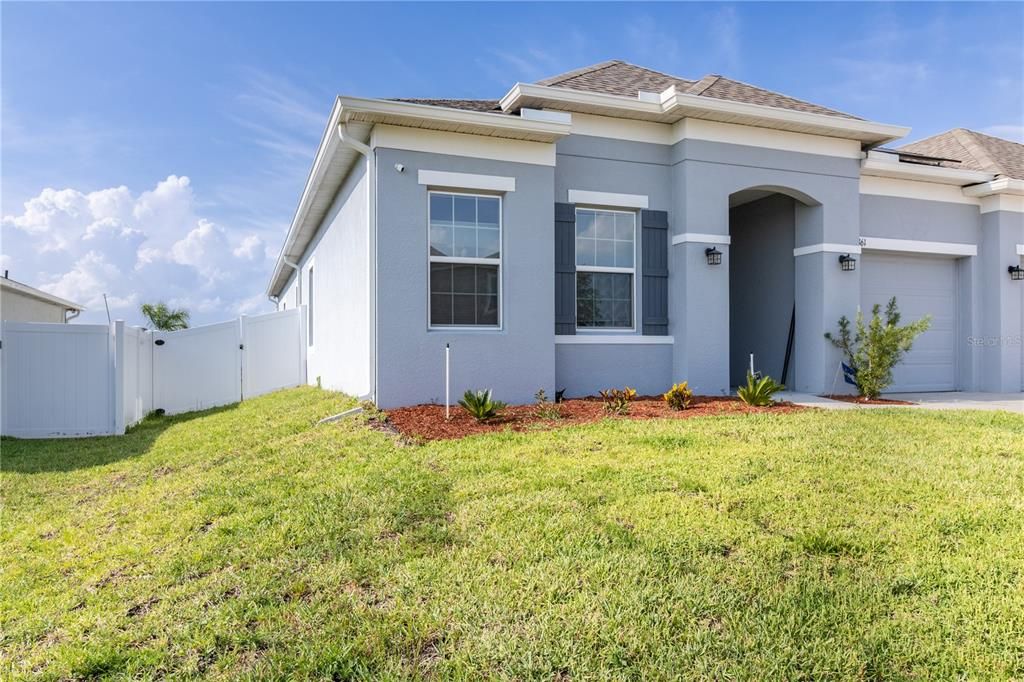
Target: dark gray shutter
column 565, row 268
column 655, row 272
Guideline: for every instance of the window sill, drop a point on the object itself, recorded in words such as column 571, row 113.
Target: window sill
column 613, row 339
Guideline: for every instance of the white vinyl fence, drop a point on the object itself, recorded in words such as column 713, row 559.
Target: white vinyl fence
column 59, row 380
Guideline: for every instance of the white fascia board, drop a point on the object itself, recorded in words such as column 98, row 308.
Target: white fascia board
column 461, row 144
column 878, row 167
column 892, row 132
column 826, row 248
column 998, row 186
column 496, row 123
column 328, row 144
column 713, row 131
column 1020, row 249
column 487, row 183
column 754, row 136
column 611, row 199
column 915, row 246
column 612, row 339
column 673, row 102
column 701, row 238
column 914, row 189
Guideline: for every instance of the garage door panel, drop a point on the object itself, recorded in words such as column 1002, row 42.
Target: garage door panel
column 922, row 286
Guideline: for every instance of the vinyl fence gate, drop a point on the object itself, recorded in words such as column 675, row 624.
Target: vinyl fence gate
column 60, row 380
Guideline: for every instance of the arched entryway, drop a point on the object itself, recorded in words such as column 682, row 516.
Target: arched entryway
column 763, row 227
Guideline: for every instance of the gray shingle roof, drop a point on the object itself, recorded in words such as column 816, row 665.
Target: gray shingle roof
column 466, row 104
column 974, row 150
column 617, row 77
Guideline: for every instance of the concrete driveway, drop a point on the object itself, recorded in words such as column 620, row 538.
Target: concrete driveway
column 1011, row 402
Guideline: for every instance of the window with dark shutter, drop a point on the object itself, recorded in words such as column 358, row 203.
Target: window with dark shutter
column 565, row 269
column 654, row 227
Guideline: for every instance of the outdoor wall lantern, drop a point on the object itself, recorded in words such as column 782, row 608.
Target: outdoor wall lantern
column 713, row 255
column 1016, row 272
column 847, row 262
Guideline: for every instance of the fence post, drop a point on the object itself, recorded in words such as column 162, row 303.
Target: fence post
column 303, row 358
column 243, row 357
column 119, row 376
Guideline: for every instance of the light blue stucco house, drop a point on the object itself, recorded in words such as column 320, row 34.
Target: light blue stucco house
column 619, row 226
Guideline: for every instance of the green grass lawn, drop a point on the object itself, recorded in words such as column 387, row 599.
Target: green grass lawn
column 245, row 541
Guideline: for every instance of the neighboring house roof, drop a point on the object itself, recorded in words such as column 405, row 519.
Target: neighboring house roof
column 26, row 290
column 974, row 151
column 617, row 77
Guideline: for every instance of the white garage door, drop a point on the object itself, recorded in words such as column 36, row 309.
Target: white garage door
column 922, row 285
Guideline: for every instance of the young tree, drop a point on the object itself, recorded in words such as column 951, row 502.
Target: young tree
column 874, row 349
column 165, row 319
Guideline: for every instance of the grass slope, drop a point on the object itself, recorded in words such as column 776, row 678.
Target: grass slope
column 244, row 541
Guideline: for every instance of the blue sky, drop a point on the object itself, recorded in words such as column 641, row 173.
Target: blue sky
column 158, row 150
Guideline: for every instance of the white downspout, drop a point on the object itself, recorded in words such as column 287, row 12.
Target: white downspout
column 298, row 276
column 351, row 142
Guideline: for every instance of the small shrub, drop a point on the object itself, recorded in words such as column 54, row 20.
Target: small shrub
column 544, row 408
column 679, row 396
column 872, row 350
column 480, row 405
column 617, row 401
column 759, row 392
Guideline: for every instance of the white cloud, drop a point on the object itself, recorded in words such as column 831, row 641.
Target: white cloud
column 251, row 247
column 135, row 248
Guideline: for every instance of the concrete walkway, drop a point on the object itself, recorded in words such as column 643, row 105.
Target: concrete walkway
column 1011, row 402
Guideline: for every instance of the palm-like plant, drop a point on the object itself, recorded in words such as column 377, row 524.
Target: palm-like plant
column 759, row 392
column 480, row 405
column 165, row 319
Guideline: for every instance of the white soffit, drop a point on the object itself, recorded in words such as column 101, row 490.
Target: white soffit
column 915, row 246
column 914, row 189
column 611, row 199
column 461, row 144
column 487, row 183
column 881, row 164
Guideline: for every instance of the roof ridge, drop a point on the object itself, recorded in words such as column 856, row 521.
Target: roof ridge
column 660, row 73
column 554, row 80
column 703, row 84
column 782, row 94
column 966, row 138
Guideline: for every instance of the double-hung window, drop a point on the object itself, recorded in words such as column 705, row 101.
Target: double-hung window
column 605, row 266
column 465, row 260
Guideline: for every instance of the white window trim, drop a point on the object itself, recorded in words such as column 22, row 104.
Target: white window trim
column 607, row 269
column 466, row 181
column 471, row 261
column 613, row 339
column 607, row 199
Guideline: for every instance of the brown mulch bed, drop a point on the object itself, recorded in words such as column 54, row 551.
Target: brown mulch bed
column 865, row 401
column 427, row 422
